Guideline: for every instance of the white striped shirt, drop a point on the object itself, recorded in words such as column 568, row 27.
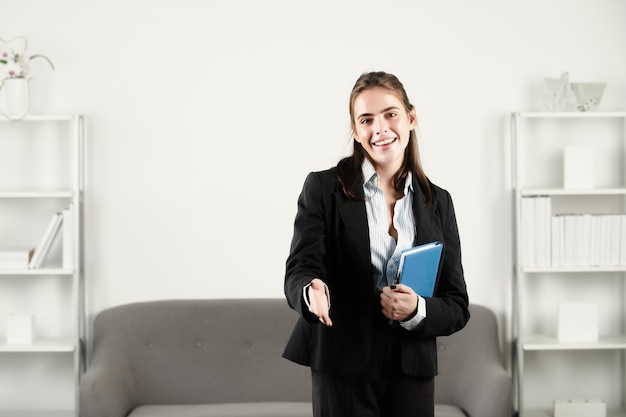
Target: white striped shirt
column 385, row 251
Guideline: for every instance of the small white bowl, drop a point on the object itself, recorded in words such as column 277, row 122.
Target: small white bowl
column 588, row 95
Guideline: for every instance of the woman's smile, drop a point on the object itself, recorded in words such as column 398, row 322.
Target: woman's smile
column 384, row 142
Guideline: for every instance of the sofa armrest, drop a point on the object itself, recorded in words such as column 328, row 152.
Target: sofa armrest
column 490, row 395
column 107, row 388
column 471, row 374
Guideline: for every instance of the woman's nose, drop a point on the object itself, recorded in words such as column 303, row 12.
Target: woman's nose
column 381, row 127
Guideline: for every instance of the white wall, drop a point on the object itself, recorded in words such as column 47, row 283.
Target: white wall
column 204, row 117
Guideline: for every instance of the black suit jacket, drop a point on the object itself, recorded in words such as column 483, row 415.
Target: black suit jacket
column 331, row 241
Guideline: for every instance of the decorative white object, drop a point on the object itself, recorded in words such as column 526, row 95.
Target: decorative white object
column 15, row 65
column 588, row 95
column 559, row 95
column 579, row 408
column 20, row 329
column 577, row 321
column 14, row 98
column 578, row 167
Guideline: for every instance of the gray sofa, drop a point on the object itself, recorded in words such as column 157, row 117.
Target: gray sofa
column 222, row 358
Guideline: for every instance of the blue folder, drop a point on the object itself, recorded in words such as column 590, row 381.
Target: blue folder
column 419, row 266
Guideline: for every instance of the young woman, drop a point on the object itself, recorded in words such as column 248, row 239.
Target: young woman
column 371, row 348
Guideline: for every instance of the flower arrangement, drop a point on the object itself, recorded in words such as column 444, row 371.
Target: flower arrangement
column 14, row 63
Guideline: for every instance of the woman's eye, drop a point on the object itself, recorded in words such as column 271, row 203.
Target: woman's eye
column 390, row 115
column 365, row 121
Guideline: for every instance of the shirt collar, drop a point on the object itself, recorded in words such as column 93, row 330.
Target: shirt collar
column 369, row 173
column 370, row 178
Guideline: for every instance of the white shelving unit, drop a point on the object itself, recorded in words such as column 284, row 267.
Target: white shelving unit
column 547, row 368
column 42, row 172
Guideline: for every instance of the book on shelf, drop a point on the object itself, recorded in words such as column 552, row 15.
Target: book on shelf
column 67, row 259
column 543, row 213
column 45, row 243
column 15, row 257
column 419, row 266
column 622, row 240
column 536, row 232
column 528, row 231
column 557, row 242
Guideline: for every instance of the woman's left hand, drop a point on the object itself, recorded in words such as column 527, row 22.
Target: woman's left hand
column 398, row 304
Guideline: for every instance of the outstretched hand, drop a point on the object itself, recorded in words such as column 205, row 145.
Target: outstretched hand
column 318, row 299
column 400, row 303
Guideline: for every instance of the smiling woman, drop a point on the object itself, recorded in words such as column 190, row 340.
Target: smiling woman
column 374, row 353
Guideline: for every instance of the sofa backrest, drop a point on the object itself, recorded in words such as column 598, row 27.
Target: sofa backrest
column 204, row 351
column 215, row 351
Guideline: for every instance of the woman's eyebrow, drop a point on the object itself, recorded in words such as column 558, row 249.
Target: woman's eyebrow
column 382, row 111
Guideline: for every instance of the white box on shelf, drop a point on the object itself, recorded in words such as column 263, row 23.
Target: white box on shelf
column 20, row 329
column 579, row 408
column 578, row 167
column 577, row 321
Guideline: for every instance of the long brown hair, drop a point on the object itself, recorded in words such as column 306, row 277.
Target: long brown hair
column 348, row 170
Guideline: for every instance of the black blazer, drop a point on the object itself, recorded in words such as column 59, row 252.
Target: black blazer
column 331, row 241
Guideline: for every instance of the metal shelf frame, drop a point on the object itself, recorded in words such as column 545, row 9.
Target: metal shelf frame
column 537, row 343
column 75, row 344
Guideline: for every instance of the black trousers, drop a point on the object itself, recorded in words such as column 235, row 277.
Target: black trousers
column 385, row 391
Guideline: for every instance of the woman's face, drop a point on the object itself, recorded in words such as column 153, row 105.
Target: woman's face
column 382, row 126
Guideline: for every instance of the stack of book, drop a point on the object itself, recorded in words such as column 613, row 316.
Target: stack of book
column 33, row 258
column 570, row 240
column 15, row 258
column 589, row 240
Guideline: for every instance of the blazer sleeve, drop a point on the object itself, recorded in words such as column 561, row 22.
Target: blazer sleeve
column 448, row 311
column 307, row 252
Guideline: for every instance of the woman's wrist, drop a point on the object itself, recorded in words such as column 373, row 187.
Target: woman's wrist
column 414, row 313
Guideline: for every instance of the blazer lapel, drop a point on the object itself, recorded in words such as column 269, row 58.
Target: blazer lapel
column 426, row 218
column 354, row 218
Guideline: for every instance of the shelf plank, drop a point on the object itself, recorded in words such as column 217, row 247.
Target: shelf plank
column 545, row 343
column 37, row 272
column 571, row 192
column 533, row 412
column 43, row 118
column 571, row 115
column 39, row 346
column 37, row 413
column 568, row 269
column 37, row 194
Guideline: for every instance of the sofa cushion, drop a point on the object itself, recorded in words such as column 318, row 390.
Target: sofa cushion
column 260, row 409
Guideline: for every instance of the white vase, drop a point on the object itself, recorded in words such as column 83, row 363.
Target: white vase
column 14, row 98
